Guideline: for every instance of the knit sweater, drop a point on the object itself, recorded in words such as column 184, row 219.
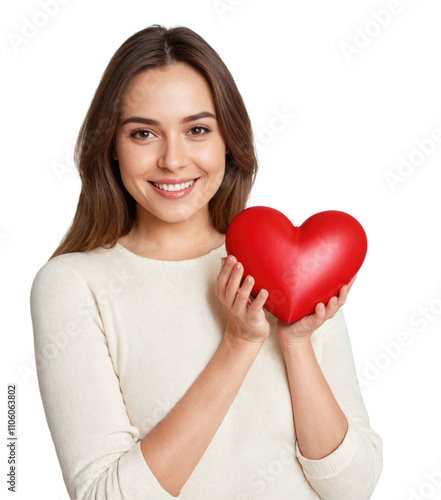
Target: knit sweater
column 119, row 339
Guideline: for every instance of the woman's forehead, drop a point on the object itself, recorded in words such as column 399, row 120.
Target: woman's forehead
column 177, row 85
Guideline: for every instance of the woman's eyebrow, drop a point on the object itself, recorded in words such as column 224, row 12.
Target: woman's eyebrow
column 198, row 116
column 187, row 119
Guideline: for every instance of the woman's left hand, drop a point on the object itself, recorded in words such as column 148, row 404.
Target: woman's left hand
column 301, row 330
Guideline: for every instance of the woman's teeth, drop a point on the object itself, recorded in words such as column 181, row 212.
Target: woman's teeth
column 174, row 187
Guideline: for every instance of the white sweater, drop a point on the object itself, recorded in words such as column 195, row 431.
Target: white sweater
column 120, row 338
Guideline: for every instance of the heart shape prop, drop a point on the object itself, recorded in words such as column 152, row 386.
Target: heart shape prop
column 299, row 266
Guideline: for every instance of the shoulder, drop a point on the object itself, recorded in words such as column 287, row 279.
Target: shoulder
column 67, row 270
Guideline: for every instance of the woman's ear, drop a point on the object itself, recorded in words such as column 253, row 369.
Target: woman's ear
column 113, row 154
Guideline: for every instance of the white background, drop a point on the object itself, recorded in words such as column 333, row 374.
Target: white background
column 349, row 120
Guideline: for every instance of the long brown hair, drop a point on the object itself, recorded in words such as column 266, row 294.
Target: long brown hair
column 105, row 209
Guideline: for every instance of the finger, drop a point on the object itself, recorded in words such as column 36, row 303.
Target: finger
column 343, row 292
column 224, row 274
column 349, row 285
column 258, row 302
column 243, row 295
column 233, row 284
column 313, row 320
column 332, row 307
column 342, row 295
column 320, row 311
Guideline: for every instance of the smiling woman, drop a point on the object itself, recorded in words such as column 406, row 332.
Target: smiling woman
column 179, row 157
column 138, row 88
column 159, row 376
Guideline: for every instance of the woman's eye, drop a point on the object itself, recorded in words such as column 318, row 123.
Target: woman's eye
column 141, row 134
column 199, row 130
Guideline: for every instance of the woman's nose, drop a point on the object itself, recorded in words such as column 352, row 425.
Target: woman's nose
column 172, row 155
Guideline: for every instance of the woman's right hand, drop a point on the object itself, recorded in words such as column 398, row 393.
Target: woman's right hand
column 246, row 320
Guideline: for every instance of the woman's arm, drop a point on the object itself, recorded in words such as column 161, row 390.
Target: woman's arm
column 97, row 446
column 340, row 454
column 320, row 424
column 174, row 447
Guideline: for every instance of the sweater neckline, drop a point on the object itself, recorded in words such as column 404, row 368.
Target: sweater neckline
column 221, row 250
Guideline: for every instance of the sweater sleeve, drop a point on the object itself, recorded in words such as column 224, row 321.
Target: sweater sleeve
column 353, row 469
column 97, row 447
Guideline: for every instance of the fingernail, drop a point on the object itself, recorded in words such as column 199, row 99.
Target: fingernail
column 223, row 259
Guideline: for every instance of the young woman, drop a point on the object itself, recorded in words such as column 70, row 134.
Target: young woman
column 160, row 376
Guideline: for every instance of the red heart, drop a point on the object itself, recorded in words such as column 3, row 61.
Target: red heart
column 299, row 266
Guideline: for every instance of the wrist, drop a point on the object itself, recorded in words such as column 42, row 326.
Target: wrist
column 236, row 343
column 297, row 345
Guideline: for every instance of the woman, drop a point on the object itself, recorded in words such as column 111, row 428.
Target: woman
column 160, row 378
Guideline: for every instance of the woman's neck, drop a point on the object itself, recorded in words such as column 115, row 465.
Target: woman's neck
column 156, row 239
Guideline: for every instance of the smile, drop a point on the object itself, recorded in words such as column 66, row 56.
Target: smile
column 174, row 187
column 174, row 190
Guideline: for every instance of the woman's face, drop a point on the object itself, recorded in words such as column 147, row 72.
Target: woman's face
column 170, row 149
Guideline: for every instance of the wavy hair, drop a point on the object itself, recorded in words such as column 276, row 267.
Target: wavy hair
column 105, row 210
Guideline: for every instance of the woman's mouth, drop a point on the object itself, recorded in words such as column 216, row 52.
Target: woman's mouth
column 173, row 190
column 174, row 187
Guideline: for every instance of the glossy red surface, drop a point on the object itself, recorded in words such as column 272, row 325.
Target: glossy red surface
column 299, row 266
